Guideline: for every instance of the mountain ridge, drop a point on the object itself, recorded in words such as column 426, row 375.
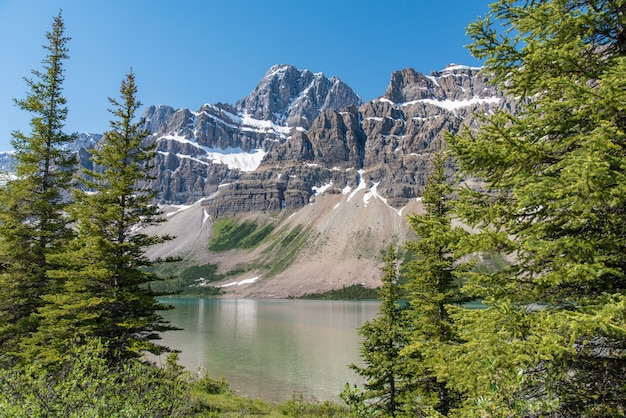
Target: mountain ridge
column 304, row 152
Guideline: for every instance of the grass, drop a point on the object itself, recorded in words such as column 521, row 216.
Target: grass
column 214, row 398
column 228, row 234
column 230, row 405
column 285, row 248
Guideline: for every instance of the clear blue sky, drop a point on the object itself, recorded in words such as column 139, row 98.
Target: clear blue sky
column 190, row 52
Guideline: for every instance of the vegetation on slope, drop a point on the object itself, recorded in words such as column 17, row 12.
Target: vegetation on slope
column 282, row 246
column 228, row 234
column 355, row 291
column 286, row 246
column 193, row 280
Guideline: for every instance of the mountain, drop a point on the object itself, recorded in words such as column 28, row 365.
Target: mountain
column 298, row 130
column 198, row 151
column 304, row 155
column 331, row 177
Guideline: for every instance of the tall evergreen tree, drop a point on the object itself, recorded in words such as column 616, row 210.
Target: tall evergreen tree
column 553, row 199
column 387, row 377
column 32, row 220
column 433, row 283
column 105, row 291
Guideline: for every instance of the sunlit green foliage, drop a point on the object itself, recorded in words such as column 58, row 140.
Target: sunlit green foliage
column 86, row 385
column 388, row 377
column 33, row 224
column 434, row 277
column 102, row 284
column 553, row 340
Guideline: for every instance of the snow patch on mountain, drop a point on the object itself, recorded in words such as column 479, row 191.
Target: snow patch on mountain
column 321, row 189
column 361, row 186
column 452, row 105
column 234, row 158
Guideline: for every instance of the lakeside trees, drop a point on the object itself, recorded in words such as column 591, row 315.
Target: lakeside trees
column 553, row 199
column 551, row 339
column 32, row 221
column 388, row 377
column 433, row 282
column 72, row 261
column 104, row 290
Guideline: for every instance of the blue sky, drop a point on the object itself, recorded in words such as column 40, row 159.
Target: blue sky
column 190, row 52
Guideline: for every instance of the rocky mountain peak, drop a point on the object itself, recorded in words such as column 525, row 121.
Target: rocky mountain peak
column 154, row 117
column 300, row 131
column 291, row 97
column 455, row 82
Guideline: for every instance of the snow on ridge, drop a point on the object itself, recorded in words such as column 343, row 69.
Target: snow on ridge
column 453, row 105
column 177, row 208
column 435, row 80
column 385, row 100
column 257, row 125
column 373, row 193
column 276, row 69
column 234, row 158
column 182, row 156
column 245, row 122
column 453, row 66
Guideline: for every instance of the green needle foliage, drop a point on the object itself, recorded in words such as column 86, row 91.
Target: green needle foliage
column 103, row 283
column 387, row 377
column 553, row 200
column 32, row 221
column 433, row 283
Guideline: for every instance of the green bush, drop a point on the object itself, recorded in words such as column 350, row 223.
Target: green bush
column 298, row 407
column 86, row 385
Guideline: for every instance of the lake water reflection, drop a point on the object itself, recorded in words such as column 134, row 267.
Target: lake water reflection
column 270, row 349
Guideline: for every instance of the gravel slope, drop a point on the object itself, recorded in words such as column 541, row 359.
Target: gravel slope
column 349, row 233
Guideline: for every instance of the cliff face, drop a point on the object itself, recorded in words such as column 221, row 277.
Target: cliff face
column 203, row 152
column 305, row 154
column 386, row 142
column 298, row 132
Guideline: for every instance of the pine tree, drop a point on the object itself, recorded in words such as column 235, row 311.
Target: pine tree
column 105, row 291
column 32, row 220
column 553, row 200
column 434, row 278
column 385, row 372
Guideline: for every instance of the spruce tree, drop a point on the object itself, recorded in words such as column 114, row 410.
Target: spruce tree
column 387, row 378
column 105, row 288
column 554, row 185
column 33, row 224
column 434, row 278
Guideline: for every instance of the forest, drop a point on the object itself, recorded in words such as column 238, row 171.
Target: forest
column 542, row 191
